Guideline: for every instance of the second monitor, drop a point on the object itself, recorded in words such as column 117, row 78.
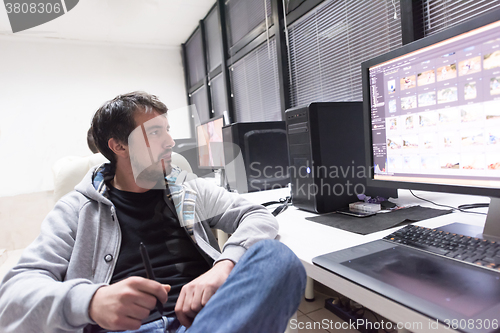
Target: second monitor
column 264, row 152
column 209, row 144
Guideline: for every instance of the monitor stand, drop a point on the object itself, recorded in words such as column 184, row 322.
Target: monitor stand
column 491, row 230
column 222, row 182
column 492, row 226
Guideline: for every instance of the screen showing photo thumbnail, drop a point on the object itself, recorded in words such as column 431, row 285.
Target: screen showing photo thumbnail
column 428, row 140
column 493, row 162
column 430, row 162
column 447, row 95
column 410, row 142
column 469, row 113
column 409, row 122
column 449, row 116
column 493, row 136
column 391, row 86
column 447, row 72
column 394, row 163
column 491, row 60
column 495, row 86
column 392, row 106
column 473, row 137
column 469, row 66
column 451, row 161
column 426, row 119
column 427, row 99
column 409, row 102
column 411, row 163
column 449, row 139
column 408, row 82
column 394, row 142
column 392, row 123
column 470, row 91
column 472, row 162
column 426, row 77
column 492, row 110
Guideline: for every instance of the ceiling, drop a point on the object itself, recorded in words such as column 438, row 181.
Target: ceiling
column 144, row 23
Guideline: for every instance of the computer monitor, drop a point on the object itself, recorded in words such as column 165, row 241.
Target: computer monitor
column 264, row 151
column 209, row 144
column 432, row 113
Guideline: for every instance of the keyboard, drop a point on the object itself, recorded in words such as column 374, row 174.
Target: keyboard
column 472, row 250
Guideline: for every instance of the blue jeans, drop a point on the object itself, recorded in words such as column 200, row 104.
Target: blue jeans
column 262, row 292
column 166, row 324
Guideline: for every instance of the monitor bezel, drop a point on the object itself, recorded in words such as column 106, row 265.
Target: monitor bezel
column 472, row 24
column 197, row 147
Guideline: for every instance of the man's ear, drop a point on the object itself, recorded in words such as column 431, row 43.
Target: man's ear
column 118, row 147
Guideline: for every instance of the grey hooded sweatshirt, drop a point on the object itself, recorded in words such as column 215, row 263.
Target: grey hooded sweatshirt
column 50, row 288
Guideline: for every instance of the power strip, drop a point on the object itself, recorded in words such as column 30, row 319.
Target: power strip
column 349, row 317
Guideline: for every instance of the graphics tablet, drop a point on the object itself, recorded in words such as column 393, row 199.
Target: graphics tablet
column 460, row 296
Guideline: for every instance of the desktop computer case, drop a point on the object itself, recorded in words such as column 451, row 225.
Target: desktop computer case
column 327, row 156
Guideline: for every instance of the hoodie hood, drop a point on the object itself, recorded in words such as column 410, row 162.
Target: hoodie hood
column 94, row 187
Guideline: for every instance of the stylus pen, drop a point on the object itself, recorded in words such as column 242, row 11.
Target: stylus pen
column 149, row 272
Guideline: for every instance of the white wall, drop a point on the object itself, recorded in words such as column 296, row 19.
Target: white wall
column 50, row 90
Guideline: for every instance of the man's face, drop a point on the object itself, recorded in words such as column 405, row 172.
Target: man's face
column 150, row 149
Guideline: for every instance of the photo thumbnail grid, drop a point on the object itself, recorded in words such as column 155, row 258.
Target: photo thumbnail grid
column 439, row 110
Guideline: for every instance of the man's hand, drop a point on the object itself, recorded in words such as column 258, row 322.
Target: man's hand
column 195, row 295
column 122, row 306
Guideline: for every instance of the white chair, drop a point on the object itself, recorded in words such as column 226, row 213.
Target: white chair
column 70, row 170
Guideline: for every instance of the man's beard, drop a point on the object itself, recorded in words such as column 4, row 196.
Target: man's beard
column 152, row 176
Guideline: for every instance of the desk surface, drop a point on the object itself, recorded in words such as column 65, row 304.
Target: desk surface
column 309, row 239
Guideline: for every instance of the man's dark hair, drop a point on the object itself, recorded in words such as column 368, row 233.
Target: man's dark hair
column 91, row 142
column 115, row 119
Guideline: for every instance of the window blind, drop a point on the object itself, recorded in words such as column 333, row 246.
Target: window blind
column 213, row 40
column 255, row 85
column 200, row 100
column 291, row 5
column 328, row 45
column 194, row 56
column 218, row 97
column 243, row 16
column 441, row 14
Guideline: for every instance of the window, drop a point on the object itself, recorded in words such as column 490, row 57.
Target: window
column 200, row 100
column 255, row 85
column 213, row 40
column 194, row 56
column 441, row 14
column 328, row 44
column 218, row 97
column 245, row 15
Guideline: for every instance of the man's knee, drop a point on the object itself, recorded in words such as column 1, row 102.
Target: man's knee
column 279, row 258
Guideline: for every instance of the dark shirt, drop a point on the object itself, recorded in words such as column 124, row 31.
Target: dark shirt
column 145, row 217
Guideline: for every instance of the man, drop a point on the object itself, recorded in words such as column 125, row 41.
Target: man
column 85, row 272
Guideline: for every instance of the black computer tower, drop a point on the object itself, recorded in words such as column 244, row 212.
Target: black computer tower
column 327, row 156
column 263, row 146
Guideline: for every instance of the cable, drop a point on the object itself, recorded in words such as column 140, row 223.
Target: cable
column 283, row 205
column 476, row 205
column 280, row 201
column 395, row 11
column 453, row 208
